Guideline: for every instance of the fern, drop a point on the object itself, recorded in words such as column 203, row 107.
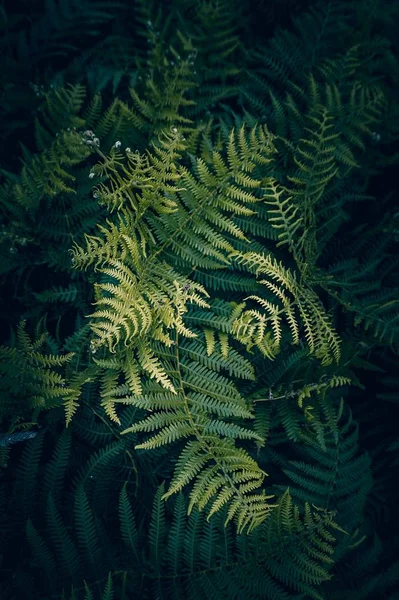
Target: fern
column 86, row 532
column 212, row 462
column 118, row 319
column 53, row 478
column 324, row 470
column 232, row 270
column 251, row 324
column 31, row 373
column 237, row 558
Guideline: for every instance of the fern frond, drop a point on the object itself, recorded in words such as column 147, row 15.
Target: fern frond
column 294, row 299
column 86, row 531
column 323, row 472
column 211, row 461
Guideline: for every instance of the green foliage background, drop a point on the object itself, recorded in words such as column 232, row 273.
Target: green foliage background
column 199, row 311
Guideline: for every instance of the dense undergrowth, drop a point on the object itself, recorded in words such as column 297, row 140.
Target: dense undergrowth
column 199, row 324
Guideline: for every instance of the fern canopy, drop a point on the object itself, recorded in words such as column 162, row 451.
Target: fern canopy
column 199, row 307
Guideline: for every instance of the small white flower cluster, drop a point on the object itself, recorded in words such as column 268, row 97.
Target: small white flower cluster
column 175, row 130
column 118, row 144
column 13, row 239
column 90, row 138
column 93, row 347
column 191, row 57
column 38, row 90
column 375, row 136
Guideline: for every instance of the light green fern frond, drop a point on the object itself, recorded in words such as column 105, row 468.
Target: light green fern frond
column 204, row 409
column 294, row 300
column 164, row 207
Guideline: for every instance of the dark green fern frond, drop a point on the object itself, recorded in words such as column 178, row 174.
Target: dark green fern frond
column 286, row 551
column 31, row 377
column 60, row 110
column 330, row 471
column 315, row 160
column 86, row 533
column 25, row 486
column 42, row 556
column 358, row 575
column 55, row 471
column 128, row 525
column 46, row 175
column 64, row 546
column 212, row 30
